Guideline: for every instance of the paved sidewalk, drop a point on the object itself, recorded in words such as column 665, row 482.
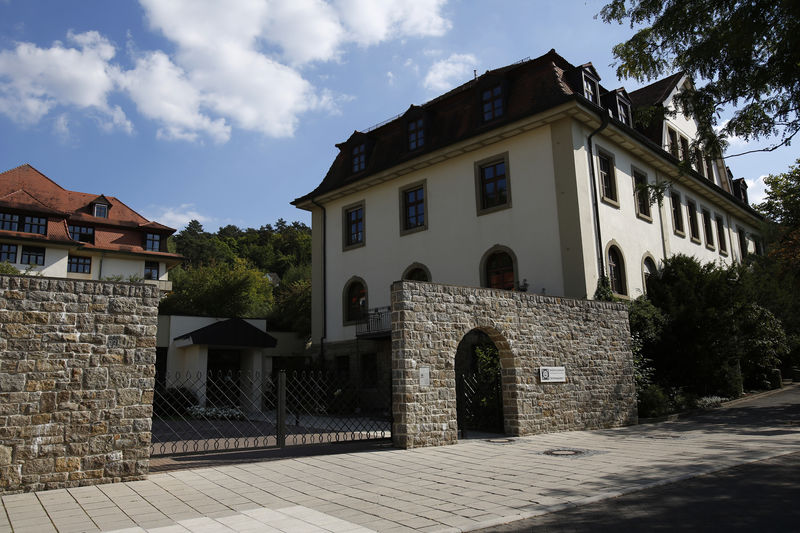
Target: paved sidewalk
column 468, row 486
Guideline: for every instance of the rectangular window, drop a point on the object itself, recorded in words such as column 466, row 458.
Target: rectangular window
column 723, row 246
column 673, row 142
column 32, row 256
column 698, row 163
column 151, row 270
column 624, row 111
column 677, row 213
column 710, row 169
column 359, row 158
column 684, row 149
column 707, row 229
column 82, row 233
column 590, row 89
column 642, row 194
column 492, row 103
column 608, row 179
column 9, row 222
column 694, row 228
column 101, row 210
column 416, row 134
column 354, row 226
column 152, row 242
column 413, row 207
column 743, row 243
column 493, row 185
column 81, row 265
column 35, row 225
column 8, row 252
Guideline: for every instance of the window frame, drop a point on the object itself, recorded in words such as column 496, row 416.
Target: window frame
column 708, row 229
column 685, row 155
column 151, row 238
column 638, row 198
column 624, row 111
column 478, row 167
column 9, row 221
column 76, row 230
column 358, row 158
column 723, row 245
column 148, row 266
column 416, row 266
column 5, row 251
column 611, row 200
column 673, row 144
column 613, row 246
column 694, row 226
column 498, row 248
column 30, row 222
column 744, row 247
column 38, row 251
column 346, row 244
column 592, row 85
column 417, row 185
column 418, row 133
column 678, row 226
column 710, row 169
column 645, row 275
column 346, row 319
column 496, row 113
column 76, row 264
column 103, row 208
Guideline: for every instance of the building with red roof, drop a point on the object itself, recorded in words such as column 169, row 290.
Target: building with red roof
column 47, row 229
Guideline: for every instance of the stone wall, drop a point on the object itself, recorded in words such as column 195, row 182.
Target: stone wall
column 590, row 339
column 76, row 381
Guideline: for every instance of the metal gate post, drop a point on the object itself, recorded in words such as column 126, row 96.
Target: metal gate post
column 281, row 415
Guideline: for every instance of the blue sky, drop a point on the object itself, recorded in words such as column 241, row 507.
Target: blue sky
column 227, row 111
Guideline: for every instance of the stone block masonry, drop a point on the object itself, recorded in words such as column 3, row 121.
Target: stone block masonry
column 590, row 339
column 76, row 381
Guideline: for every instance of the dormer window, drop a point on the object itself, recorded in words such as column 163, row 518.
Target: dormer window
column 101, row 210
column 82, row 233
column 359, row 158
column 672, row 142
column 492, row 103
column 590, row 91
column 684, row 149
column 624, row 112
column 416, row 134
column 152, row 242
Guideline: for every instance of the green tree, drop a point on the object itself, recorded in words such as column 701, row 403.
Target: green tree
column 229, row 290
column 748, row 53
column 8, row 268
column 781, row 206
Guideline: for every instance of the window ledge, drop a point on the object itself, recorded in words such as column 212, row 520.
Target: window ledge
column 723, row 253
column 680, row 234
column 409, row 231
column 711, row 247
column 695, row 240
column 610, row 201
column 646, row 218
column 494, row 209
column 353, row 246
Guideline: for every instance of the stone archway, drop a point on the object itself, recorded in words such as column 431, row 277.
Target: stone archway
column 479, row 391
column 583, row 345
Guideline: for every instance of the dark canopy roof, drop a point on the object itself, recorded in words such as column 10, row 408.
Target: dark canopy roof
column 231, row 332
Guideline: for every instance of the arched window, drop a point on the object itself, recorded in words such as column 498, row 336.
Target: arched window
column 500, row 271
column 616, row 271
column 648, row 269
column 355, row 304
column 416, row 273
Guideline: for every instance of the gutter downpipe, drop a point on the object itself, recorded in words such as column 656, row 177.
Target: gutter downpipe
column 595, row 204
column 324, row 280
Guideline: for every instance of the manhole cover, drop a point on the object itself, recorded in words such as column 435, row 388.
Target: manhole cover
column 564, row 452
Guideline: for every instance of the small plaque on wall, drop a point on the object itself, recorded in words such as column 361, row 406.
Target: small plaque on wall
column 424, row 376
column 552, row 374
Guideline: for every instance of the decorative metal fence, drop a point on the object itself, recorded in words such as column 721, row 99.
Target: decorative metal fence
column 224, row 410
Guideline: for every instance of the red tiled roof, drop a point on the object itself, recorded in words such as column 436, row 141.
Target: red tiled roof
column 26, row 189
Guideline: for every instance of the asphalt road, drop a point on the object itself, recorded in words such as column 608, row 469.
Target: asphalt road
column 760, row 496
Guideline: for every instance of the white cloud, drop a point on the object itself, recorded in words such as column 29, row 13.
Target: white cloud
column 448, row 73
column 756, row 189
column 177, row 216
column 236, row 64
column 390, row 78
column 34, row 81
column 61, row 126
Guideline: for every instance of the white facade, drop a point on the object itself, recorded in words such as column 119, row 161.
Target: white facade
column 549, row 225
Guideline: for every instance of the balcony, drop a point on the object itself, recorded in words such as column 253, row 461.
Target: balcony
column 377, row 324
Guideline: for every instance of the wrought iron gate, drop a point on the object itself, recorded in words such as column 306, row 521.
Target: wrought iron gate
column 479, row 403
column 214, row 411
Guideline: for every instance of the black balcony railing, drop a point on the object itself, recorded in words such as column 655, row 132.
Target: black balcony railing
column 377, row 323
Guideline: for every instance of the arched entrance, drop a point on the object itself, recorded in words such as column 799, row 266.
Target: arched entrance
column 479, row 394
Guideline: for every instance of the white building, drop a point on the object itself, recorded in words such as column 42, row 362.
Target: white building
column 56, row 232
column 523, row 178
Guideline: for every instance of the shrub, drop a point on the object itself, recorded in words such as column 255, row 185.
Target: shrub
column 653, row 402
column 710, row 402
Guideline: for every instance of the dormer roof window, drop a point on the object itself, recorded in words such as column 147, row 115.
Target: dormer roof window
column 101, row 210
column 359, row 158
column 492, row 100
column 416, row 134
column 590, row 90
column 624, row 111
